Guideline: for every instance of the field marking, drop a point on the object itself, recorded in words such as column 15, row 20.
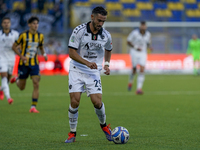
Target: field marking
column 114, row 93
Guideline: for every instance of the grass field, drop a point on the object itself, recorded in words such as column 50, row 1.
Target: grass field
column 165, row 117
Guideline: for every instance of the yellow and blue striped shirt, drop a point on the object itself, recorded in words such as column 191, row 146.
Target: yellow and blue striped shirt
column 29, row 45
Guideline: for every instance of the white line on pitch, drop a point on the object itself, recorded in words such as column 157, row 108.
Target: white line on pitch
column 114, row 93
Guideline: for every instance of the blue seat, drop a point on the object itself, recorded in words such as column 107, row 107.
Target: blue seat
column 177, row 13
column 148, row 15
column 173, row 0
column 112, row 0
column 191, row 6
column 129, row 6
column 160, row 5
column 95, row 5
column 143, row 0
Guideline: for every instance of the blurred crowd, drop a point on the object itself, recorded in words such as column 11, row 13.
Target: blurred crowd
column 53, row 46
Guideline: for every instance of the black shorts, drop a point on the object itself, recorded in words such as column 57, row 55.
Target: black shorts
column 25, row 71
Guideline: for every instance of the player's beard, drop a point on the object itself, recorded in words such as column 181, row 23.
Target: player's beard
column 94, row 25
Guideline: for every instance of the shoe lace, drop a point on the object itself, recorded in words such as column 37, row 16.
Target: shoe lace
column 108, row 126
column 71, row 135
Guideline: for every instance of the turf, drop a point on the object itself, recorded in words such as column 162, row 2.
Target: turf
column 165, row 117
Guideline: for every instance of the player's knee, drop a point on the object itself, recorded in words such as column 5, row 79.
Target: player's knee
column 36, row 85
column 74, row 104
column 97, row 105
column 21, row 88
column 134, row 70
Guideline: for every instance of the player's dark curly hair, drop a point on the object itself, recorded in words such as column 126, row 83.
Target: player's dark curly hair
column 99, row 10
column 33, row 18
column 5, row 18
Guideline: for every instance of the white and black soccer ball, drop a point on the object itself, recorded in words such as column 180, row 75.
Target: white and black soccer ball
column 120, row 135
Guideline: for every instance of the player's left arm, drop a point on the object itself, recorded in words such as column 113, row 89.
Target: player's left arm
column 108, row 49
column 107, row 62
column 149, row 44
column 41, row 47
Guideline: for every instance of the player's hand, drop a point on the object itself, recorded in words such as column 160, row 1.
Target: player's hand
column 92, row 65
column 45, row 58
column 23, row 58
column 139, row 49
column 107, row 70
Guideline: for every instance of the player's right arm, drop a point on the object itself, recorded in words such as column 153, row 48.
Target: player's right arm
column 75, row 56
column 15, row 48
column 189, row 51
column 74, row 43
column 130, row 38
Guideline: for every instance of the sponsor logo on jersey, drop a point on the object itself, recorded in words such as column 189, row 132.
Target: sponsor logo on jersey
column 72, row 39
column 92, row 46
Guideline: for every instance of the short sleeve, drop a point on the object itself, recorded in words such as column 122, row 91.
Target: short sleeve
column 108, row 45
column 75, row 39
column 16, row 36
column 19, row 40
column 131, row 36
column 149, row 39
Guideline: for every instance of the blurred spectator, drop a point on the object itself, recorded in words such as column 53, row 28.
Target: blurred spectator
column 3, row 9
column 57, row 13
column 50, row 47
column 59, row 49
column 28, row 6
column 41, row 5
column 57, row 65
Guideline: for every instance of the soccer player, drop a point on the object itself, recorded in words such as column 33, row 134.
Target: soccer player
column 7, row 57
column 29, row 41
column 88, row 45
column 194, row 49
column 139, row 41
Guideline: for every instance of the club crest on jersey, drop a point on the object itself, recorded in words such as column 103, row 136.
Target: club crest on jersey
column 94, row 37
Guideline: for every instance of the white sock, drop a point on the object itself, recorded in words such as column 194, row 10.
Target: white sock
column 101, row 114
column 32, row 106
column 5, row 87
column 140, row 80
column 73, row 118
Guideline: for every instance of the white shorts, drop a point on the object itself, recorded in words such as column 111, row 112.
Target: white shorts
column 81, row 82
column 7, row 66
column 138, row 58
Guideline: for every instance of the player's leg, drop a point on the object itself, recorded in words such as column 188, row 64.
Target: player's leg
column 141, row 75
column 5, row 87
column 76, row 87
column 20, row 80
column 94, row 90
column 35, row 76
column 35, row 94
column 140, row 80
column 73, row 115
column 133, row 56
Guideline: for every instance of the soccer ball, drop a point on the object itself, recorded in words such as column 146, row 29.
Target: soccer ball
column 120, row 135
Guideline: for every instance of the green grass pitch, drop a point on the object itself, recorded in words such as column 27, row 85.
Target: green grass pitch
column 166, row 117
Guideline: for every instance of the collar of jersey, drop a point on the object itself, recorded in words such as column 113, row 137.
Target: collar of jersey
column 5, row 33
column 89, row 31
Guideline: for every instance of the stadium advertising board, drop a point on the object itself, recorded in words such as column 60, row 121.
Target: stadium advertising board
column 121, row 63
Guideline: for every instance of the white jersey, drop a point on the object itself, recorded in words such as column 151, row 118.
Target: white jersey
column 6, row 42
column 139, row 40
column 89, row 46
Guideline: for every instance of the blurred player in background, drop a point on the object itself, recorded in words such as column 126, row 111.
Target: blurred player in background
column 29, row 41
column 194, row 50
column 87, row 46
column 139, row 40
column 7, row 57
